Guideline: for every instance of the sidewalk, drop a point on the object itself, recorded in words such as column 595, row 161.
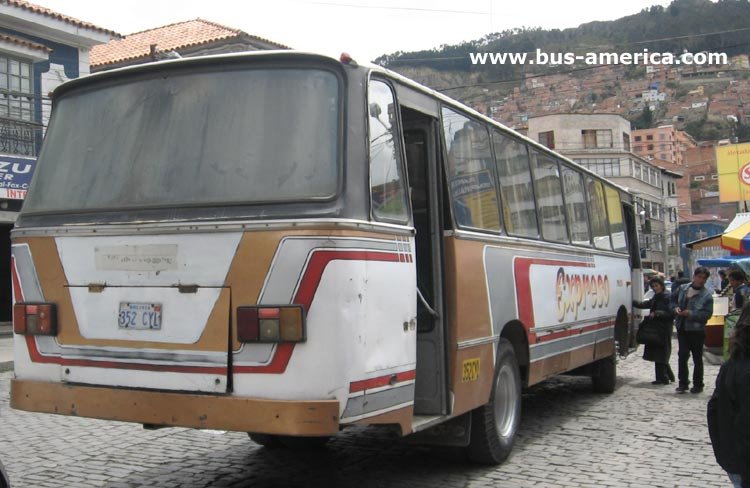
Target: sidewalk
column 6, row 346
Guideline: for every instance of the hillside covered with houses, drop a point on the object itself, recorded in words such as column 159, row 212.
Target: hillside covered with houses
column 708, row 101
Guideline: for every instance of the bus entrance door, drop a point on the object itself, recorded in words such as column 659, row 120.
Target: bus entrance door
column 422, row 152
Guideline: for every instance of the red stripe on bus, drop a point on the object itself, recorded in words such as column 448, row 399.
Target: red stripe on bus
column 381, row 381
column 306, row 292
column 321, row 259
column 37, row 357
column 304, row 296
column 574, row 332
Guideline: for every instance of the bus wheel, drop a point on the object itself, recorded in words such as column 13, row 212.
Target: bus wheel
column 605, row 375
column 269, row 441
column 494, row 425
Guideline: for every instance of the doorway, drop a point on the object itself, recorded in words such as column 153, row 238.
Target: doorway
column 423, row 158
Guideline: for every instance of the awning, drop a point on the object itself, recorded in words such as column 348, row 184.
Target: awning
column 742, row 262
column 736, row 237
column 710, row 241
column 737, row 240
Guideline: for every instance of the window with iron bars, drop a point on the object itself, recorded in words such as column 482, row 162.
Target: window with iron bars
column 18, row 129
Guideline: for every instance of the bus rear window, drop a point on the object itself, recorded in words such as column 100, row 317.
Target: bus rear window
column 192, row 138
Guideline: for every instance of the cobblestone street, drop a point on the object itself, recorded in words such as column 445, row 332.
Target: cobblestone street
column 642, row 435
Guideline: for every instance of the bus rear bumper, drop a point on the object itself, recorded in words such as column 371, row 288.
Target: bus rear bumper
column 159, row 408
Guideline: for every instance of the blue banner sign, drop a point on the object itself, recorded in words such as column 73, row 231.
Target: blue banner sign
column 15, row 176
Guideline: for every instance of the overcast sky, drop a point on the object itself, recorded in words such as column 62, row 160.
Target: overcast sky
column 363, row 28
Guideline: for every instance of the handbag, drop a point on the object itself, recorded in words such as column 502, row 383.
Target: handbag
column 649, row 333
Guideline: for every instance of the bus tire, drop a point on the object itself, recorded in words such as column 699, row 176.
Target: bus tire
column 268, row 441
column 604, row 378
column 494, row 425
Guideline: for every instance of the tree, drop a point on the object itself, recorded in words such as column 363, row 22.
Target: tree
column 645, row 120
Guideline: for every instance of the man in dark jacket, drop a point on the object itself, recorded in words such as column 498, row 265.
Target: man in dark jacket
column 692, row 305
column 681, row 280
column 723, row 281
column 738, row 281
column 729, row 407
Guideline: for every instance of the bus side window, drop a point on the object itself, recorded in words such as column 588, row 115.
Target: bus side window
column 575, row 205
column 616, row 224
column 386, row 180
column 516, row 190
column 471, row 177
column 549, row 198
column 598, row 213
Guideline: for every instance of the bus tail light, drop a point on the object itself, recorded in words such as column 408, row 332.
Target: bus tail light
column 35, row 319
column 283, row 323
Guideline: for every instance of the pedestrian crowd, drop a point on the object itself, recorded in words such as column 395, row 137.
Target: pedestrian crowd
column 688, row 306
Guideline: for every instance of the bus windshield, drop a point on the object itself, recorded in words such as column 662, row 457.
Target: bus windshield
column 192, row 138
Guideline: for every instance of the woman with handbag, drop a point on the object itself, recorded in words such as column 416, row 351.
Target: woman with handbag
column 659, row 348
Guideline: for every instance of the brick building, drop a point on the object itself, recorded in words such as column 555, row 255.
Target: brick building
column 664, row 142
column 702, row 182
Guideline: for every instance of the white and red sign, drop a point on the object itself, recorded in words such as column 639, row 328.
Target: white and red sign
column 745, row 174
column 554, row 292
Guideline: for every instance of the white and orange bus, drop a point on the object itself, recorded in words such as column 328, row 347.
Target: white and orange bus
column 287, row 244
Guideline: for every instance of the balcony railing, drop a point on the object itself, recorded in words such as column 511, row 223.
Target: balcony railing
column 19, row 138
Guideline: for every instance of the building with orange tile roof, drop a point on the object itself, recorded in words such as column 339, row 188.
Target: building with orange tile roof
column 197, row 37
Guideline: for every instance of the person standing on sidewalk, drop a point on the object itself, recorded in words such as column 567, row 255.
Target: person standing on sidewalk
column 661, row 314
column 740, row 288
column 728, row 410
column 681, row 280
column 692, row 306
column 723, row 281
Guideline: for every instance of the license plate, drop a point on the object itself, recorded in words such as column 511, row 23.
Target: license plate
column 139, row 316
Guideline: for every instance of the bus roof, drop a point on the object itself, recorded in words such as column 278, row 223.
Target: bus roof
column 309, row 56
column 191, row 61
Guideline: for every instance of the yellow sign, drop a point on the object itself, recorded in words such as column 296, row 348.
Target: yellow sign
column 470, row 370
column 733, row 165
